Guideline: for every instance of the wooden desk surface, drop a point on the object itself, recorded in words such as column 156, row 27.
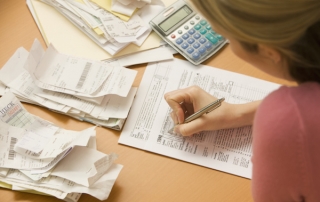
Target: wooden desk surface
column 146, row 176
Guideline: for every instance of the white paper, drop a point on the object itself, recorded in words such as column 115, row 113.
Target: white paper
column 36, row 139
column 101, row 189
column 13, row 113
column 10, row 159
column 149, row 121
column 55, row 69
column 114, row 106
column 152, row 55
column 84, row 166
column 123, row 9
column 2, row 89
column 89, row 78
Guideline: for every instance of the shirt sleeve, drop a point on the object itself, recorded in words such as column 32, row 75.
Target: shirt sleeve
column 278, row 173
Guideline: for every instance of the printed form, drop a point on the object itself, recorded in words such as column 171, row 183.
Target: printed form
column 147, row 126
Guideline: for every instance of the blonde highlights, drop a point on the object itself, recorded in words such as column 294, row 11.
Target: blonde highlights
column 285, row 25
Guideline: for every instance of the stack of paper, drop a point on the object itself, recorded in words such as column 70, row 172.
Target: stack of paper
column 93, row 91
column 37, row 155
column 112, row 31
column 69, row 39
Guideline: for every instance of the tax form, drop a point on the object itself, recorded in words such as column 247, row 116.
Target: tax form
column 148, row 123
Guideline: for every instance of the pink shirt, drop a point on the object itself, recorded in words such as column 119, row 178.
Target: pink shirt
column 286, row 146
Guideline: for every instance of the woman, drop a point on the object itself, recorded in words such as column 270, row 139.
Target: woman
column 281, row 38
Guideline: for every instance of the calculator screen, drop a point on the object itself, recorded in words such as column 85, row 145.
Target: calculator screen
column 175, row 18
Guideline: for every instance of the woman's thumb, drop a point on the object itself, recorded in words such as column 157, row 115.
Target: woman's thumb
column 188, row 129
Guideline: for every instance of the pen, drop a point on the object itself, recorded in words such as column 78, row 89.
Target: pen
column 205, row 110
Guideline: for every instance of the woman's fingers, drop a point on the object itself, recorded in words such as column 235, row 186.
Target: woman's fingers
column 190, row 128
column 185, row 102
column 176, row 101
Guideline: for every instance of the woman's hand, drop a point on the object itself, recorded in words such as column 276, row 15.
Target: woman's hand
column 185, row 102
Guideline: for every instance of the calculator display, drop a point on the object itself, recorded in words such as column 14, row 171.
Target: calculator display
column 175, row 18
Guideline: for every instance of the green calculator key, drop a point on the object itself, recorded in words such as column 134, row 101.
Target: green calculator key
column 203, row 31
column 219, row 36
column 203, row 22
column 211, row 38
column 197, row 27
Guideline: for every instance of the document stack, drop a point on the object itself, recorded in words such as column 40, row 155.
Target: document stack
column 111, row 24
column 88, row 90
column 39, row 157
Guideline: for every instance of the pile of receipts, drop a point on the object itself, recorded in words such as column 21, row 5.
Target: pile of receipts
column 99, row 92
column 36, row 155
column 112, row 24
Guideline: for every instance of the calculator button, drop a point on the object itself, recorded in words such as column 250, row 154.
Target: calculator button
column 185, row 45
column 191, row 31
column 196, row 55
column 197, row 26
column 173, row 36
column 202, row 50
column 185, row 36
column 208, row 45
column 219, row 36
column 208, row 27
column 197, row 17
column 196, row 35
column 211, row 38
column 213, row 32
column 196, row 45
column 202, row 40
column 192, row 22
column 179, row 41
column 190, row 41
column 179, row 32
column 186, row 27
column 190, row 50
column 203, row 22
column 203, row 31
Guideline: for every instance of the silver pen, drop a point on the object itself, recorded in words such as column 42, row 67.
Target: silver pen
column 205, row 110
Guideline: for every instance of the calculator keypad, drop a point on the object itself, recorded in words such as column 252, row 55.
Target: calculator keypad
column 196, row 38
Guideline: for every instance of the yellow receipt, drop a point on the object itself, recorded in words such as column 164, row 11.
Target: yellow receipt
column 9, row 186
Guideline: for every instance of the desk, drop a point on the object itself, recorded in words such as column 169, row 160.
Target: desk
column 146, row 177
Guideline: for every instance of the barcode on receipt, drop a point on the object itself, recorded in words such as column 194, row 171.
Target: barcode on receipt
column 12, row 153
column 84, row 75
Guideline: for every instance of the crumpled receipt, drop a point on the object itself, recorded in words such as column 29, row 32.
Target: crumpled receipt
column 127, row 7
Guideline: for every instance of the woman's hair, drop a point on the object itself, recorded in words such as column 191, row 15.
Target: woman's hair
column 292, row 27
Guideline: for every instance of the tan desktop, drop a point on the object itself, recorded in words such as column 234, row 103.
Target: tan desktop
column 145, row 177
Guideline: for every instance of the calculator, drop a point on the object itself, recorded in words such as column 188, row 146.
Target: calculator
column 187, row 32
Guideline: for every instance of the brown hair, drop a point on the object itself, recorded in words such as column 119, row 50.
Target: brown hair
column 292, row 27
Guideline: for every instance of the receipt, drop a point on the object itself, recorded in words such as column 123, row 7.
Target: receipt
column 21, row 146
column 9, row 136
column 13, row 113
column 115, row 27
column 84, row 166
column 101, row 189
column 2, row 88
column 89, row 78
column 55, row 69
column 127, row 7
